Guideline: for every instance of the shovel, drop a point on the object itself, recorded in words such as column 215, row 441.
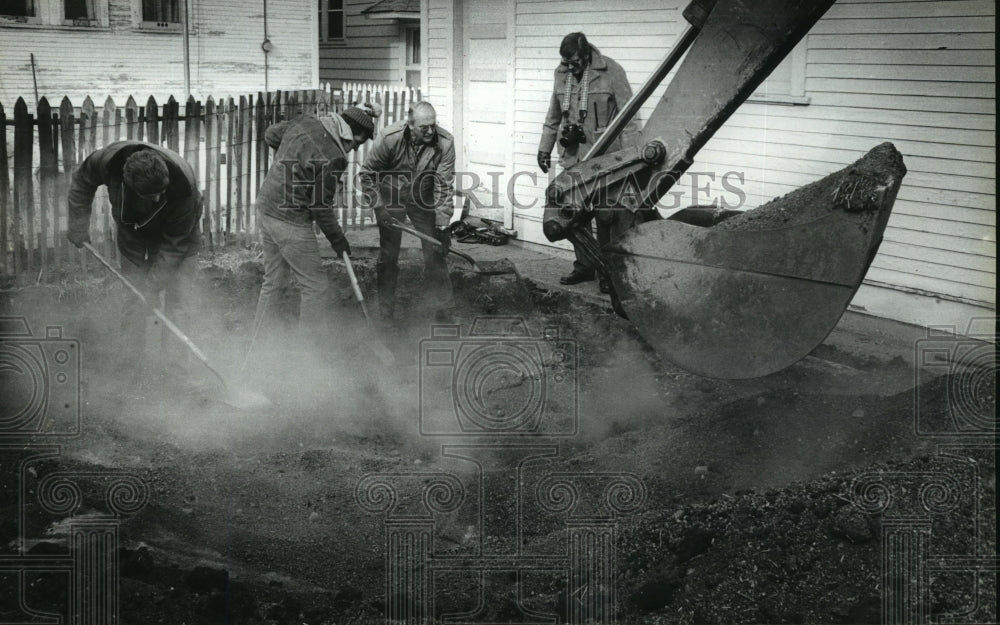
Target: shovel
column 392, row 223
column 243, row 400
column 380, row 350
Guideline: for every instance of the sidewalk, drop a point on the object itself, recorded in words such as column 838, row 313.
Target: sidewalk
column 860, row 335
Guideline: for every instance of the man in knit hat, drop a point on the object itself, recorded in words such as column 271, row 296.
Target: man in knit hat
column 300, row 189
column 410, row 173
column 156, row 205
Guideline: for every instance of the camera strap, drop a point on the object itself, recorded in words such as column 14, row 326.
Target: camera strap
column 584, row 96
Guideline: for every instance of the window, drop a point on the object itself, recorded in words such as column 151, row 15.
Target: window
column 49, row 13
column 78, row 12
column 413, row 46
column 162, row 11
column 787, row 83
column 411, row 60
column 17, row 9
column 331, row 21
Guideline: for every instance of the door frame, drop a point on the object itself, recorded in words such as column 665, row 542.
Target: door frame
column 460, row 89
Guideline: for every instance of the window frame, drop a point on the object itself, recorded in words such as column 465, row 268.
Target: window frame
column 796, row 95
column 323, row 15
column 34, row 18
column 411, row 30
column 92, row 21
column 156, row 26
column 51, row 14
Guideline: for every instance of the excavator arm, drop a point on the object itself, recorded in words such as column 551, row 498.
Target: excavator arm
column 723, row 293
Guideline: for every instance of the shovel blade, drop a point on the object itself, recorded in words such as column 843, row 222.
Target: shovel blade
column 245, row 399
column 752, row 296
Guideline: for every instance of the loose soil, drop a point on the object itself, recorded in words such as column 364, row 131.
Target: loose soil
column 252, row 517
column 855, row 189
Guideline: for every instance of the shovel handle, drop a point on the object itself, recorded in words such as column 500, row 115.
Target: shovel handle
column 426, row 237
column 355, row 286
column 156, row 311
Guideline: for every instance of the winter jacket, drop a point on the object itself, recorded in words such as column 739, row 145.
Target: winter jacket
column 160, row 235
column 398, row 171
column 301, row 185
column 608, row 91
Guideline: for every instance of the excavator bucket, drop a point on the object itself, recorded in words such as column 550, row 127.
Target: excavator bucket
column 758, row 291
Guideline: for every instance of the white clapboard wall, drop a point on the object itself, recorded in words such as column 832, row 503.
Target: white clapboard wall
column 118, row 56
column 918, row 74
column 370, row 53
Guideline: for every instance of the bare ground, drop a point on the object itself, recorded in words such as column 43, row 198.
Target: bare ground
column 748, row 514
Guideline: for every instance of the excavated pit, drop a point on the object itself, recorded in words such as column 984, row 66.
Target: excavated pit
column 253, row 517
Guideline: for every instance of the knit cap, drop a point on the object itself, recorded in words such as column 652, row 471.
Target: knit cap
column 361, row 117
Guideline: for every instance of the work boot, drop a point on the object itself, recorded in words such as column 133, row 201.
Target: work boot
column 577, row 276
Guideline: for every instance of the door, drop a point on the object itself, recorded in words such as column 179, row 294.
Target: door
column 487, row 102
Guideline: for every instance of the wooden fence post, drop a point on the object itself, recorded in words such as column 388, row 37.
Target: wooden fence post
column 230, row 157
column 132, row 126
column 66, row 127
column 84, row 146
column 152, row 121
column 211, row 171
column 47, row 168
column 222, row 184
column 239, row 120
column 170, row 111
column 4, row 193
column 104, row 217
column 23, row 195
column 260, row 148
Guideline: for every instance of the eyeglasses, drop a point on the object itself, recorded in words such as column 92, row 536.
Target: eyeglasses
column 573, row 62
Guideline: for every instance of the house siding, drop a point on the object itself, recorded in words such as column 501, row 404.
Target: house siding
column 918, row 74
column 372, row 51
column 121, row 60
column 440, row 60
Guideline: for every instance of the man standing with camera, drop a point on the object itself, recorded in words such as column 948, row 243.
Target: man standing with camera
column 410, row 172
column 589, row 90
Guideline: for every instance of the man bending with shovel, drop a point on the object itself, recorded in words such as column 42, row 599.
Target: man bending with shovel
column 410, row 172
column 156, row 205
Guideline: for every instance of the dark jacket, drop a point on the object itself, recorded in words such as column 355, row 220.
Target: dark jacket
column 161, row 236
column 415, row 174
column 608, row 91
column 301, row 185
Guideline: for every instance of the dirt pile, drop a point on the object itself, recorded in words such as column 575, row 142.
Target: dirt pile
column 856, row 188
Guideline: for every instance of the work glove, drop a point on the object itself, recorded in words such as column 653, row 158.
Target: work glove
column 78, row 238
column 382, row 216
column 544, row 161
column 443, row 235
column 340, row 246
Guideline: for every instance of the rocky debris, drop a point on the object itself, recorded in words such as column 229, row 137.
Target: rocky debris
column 695, row 542
column 851, row 524
column 658, row 589
column 204, row 579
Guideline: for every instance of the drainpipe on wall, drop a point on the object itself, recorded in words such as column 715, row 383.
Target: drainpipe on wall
column 187, row 50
